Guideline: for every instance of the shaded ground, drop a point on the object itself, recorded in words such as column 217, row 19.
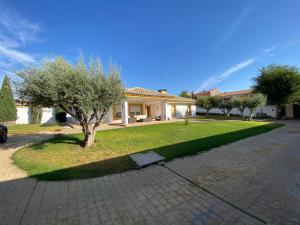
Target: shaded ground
column 253, row 181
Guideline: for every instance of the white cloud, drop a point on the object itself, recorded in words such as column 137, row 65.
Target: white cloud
column 16, row 31
column 15, row 55
column 211, row 81
column 15, row 25
column 248, row 9
column 225, row 74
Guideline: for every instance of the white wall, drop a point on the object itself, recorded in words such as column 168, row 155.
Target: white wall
column 194, row 109
column 181, row 110
column 48, row 115
column 23, row 115
column 268, row 109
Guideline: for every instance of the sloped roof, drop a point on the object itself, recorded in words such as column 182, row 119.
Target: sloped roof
column 178, row 99
column 235, row 93
column 143, row 92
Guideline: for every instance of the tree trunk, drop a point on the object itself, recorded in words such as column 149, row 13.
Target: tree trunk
column 251, row 114
column 277, row 110
column 242, row 114
column 207, row 112
column 89, row 136
column 228, row 114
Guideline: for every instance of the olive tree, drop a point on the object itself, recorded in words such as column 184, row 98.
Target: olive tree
column 205, row 103
column 85, row 92
column 240, row 103
column 255, row 101
column 208, row 102
column 226, row 107
column 279, row 83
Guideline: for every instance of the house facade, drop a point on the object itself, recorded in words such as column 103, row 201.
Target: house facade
column 142, row 104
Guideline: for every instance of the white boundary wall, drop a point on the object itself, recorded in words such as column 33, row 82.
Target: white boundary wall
column 24, row 115
column 181, row 110
column 268, row 109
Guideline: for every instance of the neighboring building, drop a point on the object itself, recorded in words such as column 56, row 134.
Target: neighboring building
column 141, row 103
column 226, row 96
column 211, row 92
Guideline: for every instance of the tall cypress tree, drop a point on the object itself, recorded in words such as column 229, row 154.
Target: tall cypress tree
column 8, row 110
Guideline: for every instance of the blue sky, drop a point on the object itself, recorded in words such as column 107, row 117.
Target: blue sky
column 176, row 45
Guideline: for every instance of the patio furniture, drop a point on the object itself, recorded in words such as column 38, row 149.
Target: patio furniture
column 145, row 120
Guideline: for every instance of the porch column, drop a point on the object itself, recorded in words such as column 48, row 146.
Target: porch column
column 109, row 118
column 124, row 111
column 163, row 108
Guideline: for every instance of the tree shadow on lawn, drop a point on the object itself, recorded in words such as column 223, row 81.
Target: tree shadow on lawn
column 124, row 163
column 66, row 139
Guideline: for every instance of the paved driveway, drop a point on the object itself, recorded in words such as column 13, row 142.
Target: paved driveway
column 254, row 181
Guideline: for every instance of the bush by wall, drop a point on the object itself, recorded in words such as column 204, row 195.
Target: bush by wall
column 36, row 114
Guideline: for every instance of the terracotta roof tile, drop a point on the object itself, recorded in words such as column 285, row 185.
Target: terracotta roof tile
column 143, row 92
column 138, row 91
column 234, row 93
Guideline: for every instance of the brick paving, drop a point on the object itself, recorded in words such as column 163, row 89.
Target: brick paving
column 254, row 181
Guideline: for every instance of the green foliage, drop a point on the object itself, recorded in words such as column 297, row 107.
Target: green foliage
column 226, row 107
column 254, row 101
column 185, row 94
column 205, row 103
column 60, row 115
column 8, row 110
column 216, row 101
column 36, row 114
column 240, row 103
column 77, row 89
column 186, row 117
column 208, row 102
column 280, row 83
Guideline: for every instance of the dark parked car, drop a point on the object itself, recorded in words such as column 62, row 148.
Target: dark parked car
column 3, row 133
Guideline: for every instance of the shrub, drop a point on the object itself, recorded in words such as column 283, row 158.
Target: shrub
column 8, row 110
column 61, row 117
column 36, row 114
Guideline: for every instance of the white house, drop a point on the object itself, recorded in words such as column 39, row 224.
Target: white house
column 144, row 105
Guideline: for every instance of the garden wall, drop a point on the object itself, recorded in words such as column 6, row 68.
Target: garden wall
column 24, row 115
column 268, row 109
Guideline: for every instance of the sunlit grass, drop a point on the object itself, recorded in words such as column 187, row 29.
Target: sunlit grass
column 63, row 158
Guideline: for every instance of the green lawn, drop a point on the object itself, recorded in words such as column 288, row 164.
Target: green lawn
column 32, row 128
column 63, row 158
column 216, row 117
